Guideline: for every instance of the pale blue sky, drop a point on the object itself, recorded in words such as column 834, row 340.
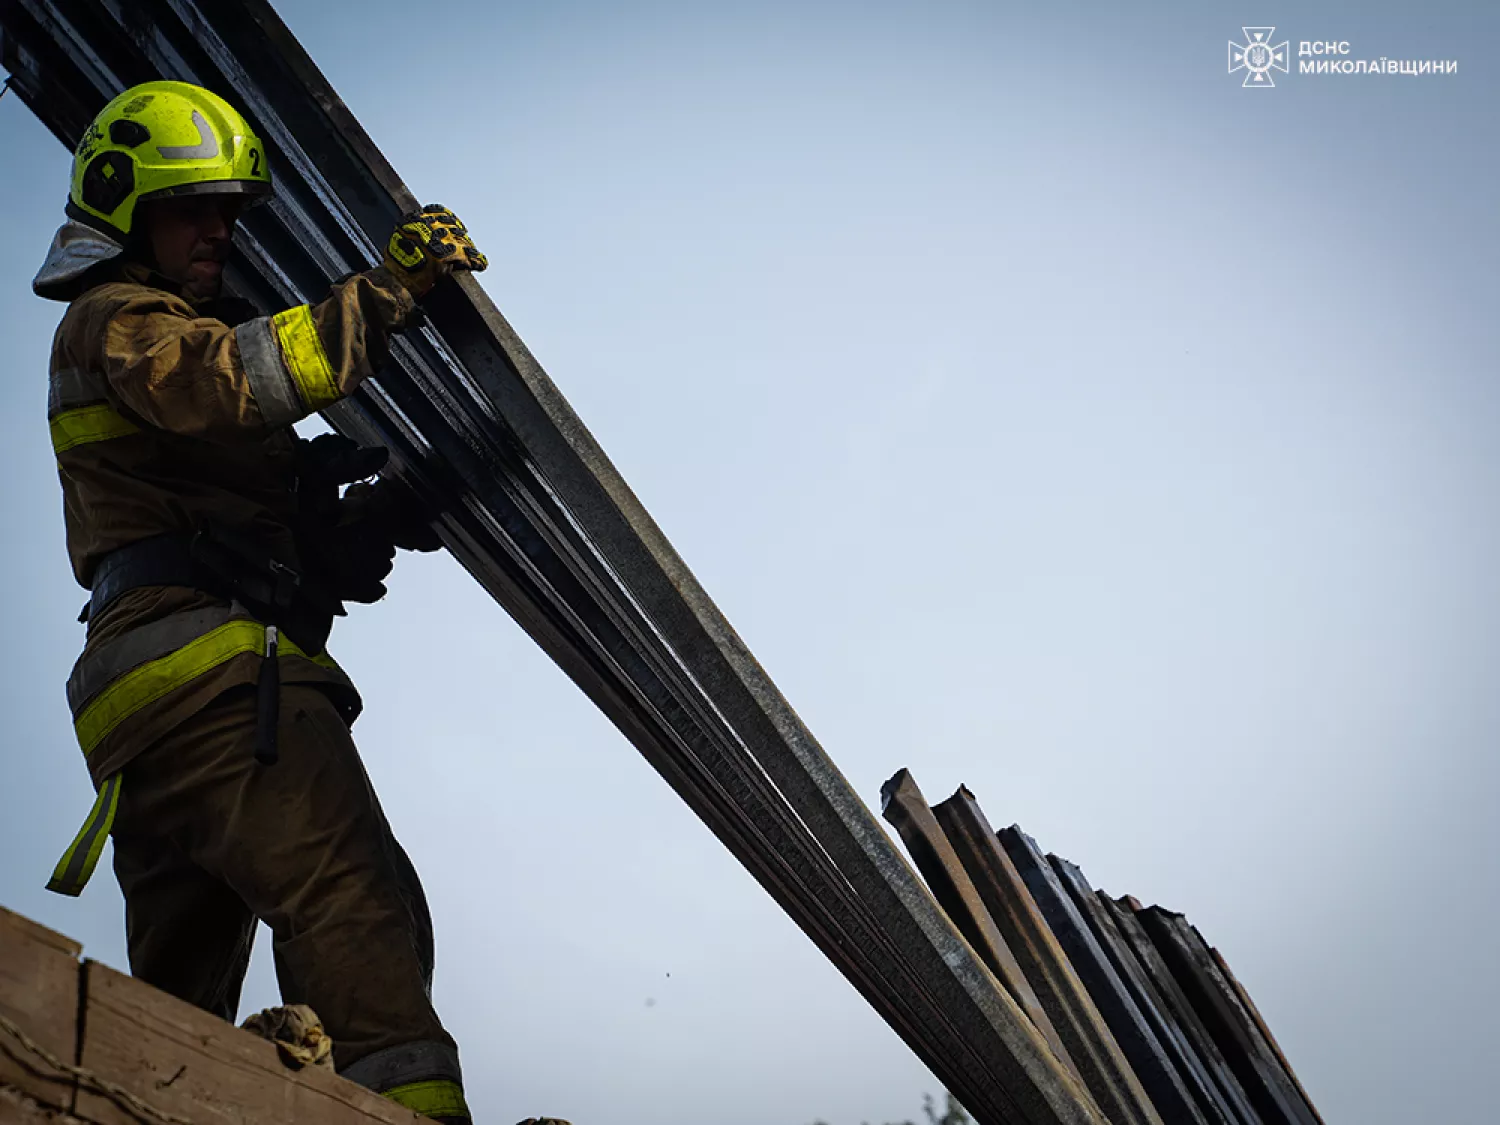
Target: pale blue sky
column 1047, row 412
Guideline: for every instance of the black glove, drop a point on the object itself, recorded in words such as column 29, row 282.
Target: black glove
column 391, row 509
column 348, row 560
column 351, row 560
column 328, row 461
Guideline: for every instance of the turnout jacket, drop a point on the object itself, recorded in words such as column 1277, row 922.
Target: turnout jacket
column 162, row 417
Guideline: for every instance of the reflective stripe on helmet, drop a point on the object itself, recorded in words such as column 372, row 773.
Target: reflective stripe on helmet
column 78, row 862
column 437, row 1097
column 305, row 358
column 206, row 149
column 270, row 379
column 88, row 424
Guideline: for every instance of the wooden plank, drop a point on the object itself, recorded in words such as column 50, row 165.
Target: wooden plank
column 39, row 994
column 183, row 1061
column 18, row 1109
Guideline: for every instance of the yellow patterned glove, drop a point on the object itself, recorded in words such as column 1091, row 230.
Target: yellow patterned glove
column 427, row 245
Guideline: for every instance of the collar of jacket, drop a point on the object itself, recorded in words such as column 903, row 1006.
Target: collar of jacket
column 76, row 250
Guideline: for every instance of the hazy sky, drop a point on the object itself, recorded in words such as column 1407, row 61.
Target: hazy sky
column 1049, row 414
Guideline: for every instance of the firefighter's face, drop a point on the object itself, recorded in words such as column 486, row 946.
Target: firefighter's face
column 190, row 236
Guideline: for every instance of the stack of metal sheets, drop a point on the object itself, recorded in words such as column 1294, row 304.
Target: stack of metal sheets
column 1131, row 999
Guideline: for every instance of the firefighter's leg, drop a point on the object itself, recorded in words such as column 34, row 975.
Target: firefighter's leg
column 187, row 933
column 305, row 845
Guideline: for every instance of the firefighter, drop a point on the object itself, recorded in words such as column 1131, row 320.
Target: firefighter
column 217, row 547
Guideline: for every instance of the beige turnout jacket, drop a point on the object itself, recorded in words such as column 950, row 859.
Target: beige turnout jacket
column 161, row 417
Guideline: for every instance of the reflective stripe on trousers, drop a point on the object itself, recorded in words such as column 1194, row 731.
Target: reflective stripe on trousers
column 133, row 672
column 82, row 856
column 423, row 1076
column 437, row 1097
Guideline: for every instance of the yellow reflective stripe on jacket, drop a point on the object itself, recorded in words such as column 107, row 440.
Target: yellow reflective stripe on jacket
column 88, row 424
column 437, row 1097
column 82, row 856
column 154, row 679
column 305, row 357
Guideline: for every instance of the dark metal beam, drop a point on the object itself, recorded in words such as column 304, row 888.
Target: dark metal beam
column 1092, row 1046
column 904, row 807
column 1124, row 912
column 1147, row 1058
column 1094, row 908
column 1271, row 1090
column 1254, row 1012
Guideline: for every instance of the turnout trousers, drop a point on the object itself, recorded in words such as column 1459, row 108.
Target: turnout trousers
column 207, row 842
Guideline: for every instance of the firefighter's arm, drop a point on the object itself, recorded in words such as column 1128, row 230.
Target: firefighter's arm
column 201, row 378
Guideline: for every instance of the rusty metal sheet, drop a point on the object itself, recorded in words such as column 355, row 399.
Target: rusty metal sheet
column 1091, row 1044
column 1244, row 994
column 1206, row 1094
column 1124, row 911
column 1147, row 1056
column 1271, row 1091
column 902, row 804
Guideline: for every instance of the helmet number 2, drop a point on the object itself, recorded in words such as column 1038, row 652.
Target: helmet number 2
column 255, row 161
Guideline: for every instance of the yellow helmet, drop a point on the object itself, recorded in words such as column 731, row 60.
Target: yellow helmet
column 162, row 138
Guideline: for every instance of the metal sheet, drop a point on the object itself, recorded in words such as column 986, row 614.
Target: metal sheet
column 1147, row 1056
column 1091, row 1044
column 1123, row 911
column 902, row 804
column 535, row 511
column 1211, row 1103
column 1273, row 1094
column 1245, row 999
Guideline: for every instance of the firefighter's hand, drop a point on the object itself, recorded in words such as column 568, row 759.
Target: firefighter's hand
column 427, row 245
column 392, row 510
column 350, row 561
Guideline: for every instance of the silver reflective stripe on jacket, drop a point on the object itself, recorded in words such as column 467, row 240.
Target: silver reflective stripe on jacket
column 270, row 381
column 96, row 670
column 72, row 387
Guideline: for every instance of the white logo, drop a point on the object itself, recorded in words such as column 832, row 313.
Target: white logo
column 1256, row 57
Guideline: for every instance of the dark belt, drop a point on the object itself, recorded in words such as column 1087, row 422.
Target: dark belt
column 162, row 560
column 229, row 565
column 220, row 562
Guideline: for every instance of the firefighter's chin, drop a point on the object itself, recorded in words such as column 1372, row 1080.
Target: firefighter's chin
column 205, row 280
